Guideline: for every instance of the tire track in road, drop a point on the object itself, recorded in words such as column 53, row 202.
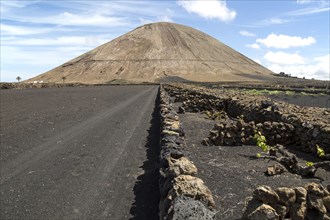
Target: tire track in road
column 21, row 163
column 127, row 147
column 90, row 174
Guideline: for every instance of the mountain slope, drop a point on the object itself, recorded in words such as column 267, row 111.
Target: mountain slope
column 156, row 51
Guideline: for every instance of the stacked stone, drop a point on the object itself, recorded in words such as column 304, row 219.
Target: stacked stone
column 239, row 132
column 183, row 196
column 311, row 202
column 278, row 132
column 231, row 133
column 300, row 127
column 309, row 134
column 194, row 101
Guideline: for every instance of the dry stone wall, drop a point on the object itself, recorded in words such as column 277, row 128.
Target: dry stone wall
column 238, row 132
column 282, row 123
column 183, row 195
column 238, row 118
column 311, row 202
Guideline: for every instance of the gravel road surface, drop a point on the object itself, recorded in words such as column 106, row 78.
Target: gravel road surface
column 80, row 153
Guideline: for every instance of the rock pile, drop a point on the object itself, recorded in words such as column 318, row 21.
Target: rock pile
column 232, row 133
column 183, row 195
column 311, row 202
column 301, row 127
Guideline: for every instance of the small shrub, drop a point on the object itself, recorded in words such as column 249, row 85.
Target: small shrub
column 261, row 141
column 289, row 93
column 214, row 115
column 309, row 164
column 274, row 92
column 319, row 151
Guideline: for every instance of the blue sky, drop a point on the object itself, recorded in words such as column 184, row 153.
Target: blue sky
column 283, row 35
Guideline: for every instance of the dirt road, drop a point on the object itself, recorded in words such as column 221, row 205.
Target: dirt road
column 80, row 153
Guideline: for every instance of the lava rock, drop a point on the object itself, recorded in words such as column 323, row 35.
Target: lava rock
column 275, row 170
column 298, row 211
column 264, row 212
column 184, row 207
column 192, row 187
column 301, row 194
column 181, row 166
column 287, row 195
column 266, row 194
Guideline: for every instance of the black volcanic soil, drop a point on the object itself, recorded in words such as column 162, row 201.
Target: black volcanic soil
column 321, row 101
column 232, row 172
column 80, row 153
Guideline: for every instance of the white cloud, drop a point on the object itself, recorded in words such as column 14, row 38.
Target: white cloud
column 268, row 22
column 71, row 19
column 30, row 56
column 16, row 4
column 33, row 62
column 10, row 5
column 89, row 13
column 319, row 2
column 36, row 56
column 285, row 41
column 247, row 34
column 254, row 46
column 19, row 30
column 43, row 35
column 169, row 11
column 276, row 21
column 284, row 58
column 145, row 21
column 317, row 68
column 165, row 18
column 257, row 61
column 158, row 19
column 323, row 59
column 209, row 9
column 91, row 20
column 308, row 11
column 304, row 1
column 320, row 6
column 59, row 41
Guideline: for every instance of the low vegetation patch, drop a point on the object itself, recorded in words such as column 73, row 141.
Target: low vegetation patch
column 261, row 92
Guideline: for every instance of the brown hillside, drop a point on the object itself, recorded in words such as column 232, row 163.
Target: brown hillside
column 156, row 51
